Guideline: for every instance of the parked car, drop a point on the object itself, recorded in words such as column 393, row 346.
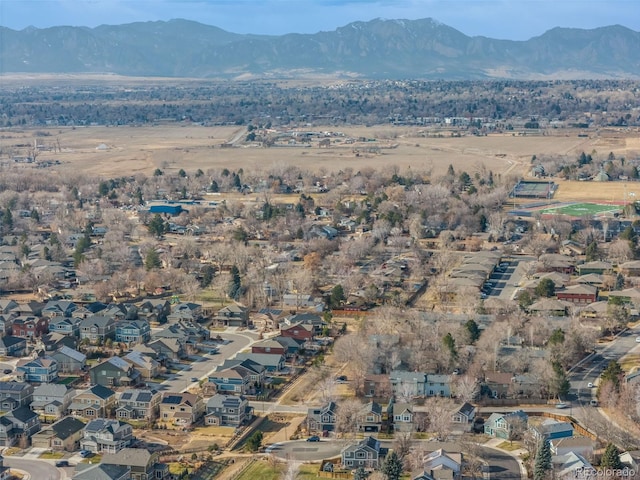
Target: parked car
column 84, row 453
column 62, row 463
column 314, row 438
column 561, row 405
column 590, row 385
column 7, row 371
column 195, row 379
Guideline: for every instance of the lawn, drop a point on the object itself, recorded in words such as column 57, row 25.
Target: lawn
column 93, row 459
column 581, row 209
column 261, row 470
column 67, row 380
column 51, row 455
column 509, row 446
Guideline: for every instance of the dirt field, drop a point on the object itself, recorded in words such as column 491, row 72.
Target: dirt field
column 129, row 150
column 597, row 191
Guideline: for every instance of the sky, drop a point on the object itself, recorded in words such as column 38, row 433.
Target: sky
column 503, row 19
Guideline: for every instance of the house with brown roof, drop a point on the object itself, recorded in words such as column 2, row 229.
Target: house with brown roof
column 578, row 294
column 95, row 402
column 298, row 331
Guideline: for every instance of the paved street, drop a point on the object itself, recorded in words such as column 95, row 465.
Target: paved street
column 208, row 362
column 38, row 470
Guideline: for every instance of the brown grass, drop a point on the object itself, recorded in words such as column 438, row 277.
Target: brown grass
column 171, row 147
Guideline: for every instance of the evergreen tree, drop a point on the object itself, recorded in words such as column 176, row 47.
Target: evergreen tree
column 255, row 441
column 392, row 467
column 152, row 259
column 450, row 343
column 543, row 461
column 235, row 285
column 337, row 296
column 592, row 253
column 360, row 474
column 473, row 329
column 545, row 288
column 157, row 226
column 611, row 458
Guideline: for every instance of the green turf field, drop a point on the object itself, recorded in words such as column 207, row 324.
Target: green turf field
column 582, row 209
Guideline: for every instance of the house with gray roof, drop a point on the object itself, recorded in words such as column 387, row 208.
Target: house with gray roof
column 51, row 400
column 271, row 362
column 505, row 425
column 69, row 360
column 102, row 471
column 145, row 465
column 228, row 411
column 65, row 434
column 147, row 366
column 322, row 419
column 11, row 346
column 15, row 394
column 96, row 401
column 96, row 329
column 103, row 435
column 367, row 453
column 552, row 429
column 138, row 404
column 114, row 372
column 17, row 424
column 65, row 325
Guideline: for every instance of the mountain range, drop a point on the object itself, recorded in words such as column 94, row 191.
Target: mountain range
column 421, row 49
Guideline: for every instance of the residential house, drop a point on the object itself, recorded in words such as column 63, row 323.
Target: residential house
column 52, row 400
column 403, row 417
column 553, row 262
column 291, row 346
column 272, row 363
column 101, row 471
column 103, row 435
column 497, row 384
column 70, row 360
column 228, row 411
column 133, row 332
column 138, row 405
column 65, row 434
column 14, row 395
column 406, row 385
column 30, row 326
column 97, row 329
column 628, row 295
column 53, row 341
column 630, row 269
column 298, row 331
column 37, row 370
column 591, row 279
column 114, row 372
column 18, row 426
column 552, row 430
column 322, row 419
column 58, row 308
column 166, row 348
column 464, row 415
column 29, row 308
column 442, row 465
column 506, row 425
column 65, row 325
column 144, row 465
column 305, row 318
column 237, row 376
column 6, row 324
column 147, row 366
column 11, row 346
column 581, row 445
column 154, row 310
column 438, row 385
column 8, row 306
column 571, row 465
column 95, row 402
column 595, row 267
column 233, row 315
column 377, row 385
column 369, row 417
column 367, row 454
column 270, row 346
column 181, row 409
column 188, row 333
column 578, row 294
column 550, row 307
column 185, row 311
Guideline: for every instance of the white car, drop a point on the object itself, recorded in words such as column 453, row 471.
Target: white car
column 637, row 339
column 561, row 405
column 590, row 385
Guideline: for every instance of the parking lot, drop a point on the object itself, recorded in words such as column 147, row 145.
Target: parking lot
column 504, row 281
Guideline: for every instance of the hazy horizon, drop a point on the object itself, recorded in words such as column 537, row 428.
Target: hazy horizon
column 502, row 19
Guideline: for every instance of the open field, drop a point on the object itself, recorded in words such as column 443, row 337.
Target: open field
column 581, row 209
column 596, row 191
column 131, row 150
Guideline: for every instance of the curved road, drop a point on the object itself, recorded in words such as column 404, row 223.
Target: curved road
column 502, row 466
column 37, row 469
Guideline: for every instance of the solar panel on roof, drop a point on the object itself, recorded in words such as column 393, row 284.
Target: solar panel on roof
column 126, row 396
column 144, row 397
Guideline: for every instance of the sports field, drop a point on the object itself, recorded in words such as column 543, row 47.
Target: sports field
column 582, row 209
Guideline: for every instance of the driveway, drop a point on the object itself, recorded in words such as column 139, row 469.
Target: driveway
column 301, row 450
